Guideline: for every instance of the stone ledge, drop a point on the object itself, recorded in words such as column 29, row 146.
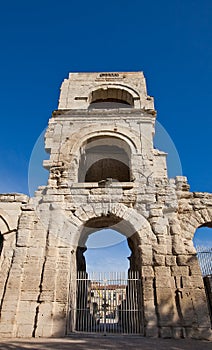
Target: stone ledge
column 90, row 185
column 14, row 197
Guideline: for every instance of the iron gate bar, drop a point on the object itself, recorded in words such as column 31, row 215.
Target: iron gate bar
column 108, row 302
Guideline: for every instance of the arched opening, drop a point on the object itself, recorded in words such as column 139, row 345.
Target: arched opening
column 105, row 158
column 109, row 292
column 203, row 244
column 104, row 232
column 105, row 251
column 109, row 98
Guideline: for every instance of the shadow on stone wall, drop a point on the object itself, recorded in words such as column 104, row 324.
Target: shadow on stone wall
column 188, row 320
column 183, row 312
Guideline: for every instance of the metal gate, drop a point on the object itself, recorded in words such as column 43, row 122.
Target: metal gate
column 108, row 303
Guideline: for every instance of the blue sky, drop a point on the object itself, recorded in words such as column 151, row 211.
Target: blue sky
column 42, row 41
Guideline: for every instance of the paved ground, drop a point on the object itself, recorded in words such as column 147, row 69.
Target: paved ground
column 105, row 343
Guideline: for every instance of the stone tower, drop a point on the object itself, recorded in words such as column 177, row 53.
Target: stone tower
column 103, row 172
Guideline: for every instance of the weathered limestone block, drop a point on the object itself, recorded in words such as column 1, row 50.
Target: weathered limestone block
column 177, row 246
column 23, row 237
column 159, row 225
column 187, row 312
column 170, row 260
column 38, row 238
column 167, row 311
column 63, row 282
column 7, row 325
column 150, row 319
column 159, row 260
column 194, row 267
column 146, row 198
column 31, row 280
column 27, row 314
column 146, row 255
column 205, row 213
column 161, row 246
column 147, row 271
column 148, row 292
column 198, row 333
column 180, row 270
column 81, row 214
column 175, row 229
column 43, row 324
column 163, row 277
column 60, row 319
column 156, row 212
column 196, row 281
column 184, row 206
column 183, row 260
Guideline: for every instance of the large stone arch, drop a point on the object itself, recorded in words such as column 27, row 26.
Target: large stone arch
column 195, row 213
column 68, row 226
column 130, row 221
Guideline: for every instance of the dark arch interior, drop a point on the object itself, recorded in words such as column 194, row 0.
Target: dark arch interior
column 109, row 103
column 104, row 158
column 107, row 98
column 108, row 168
column 208, row 224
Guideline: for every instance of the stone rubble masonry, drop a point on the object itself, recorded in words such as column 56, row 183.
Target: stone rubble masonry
column 159, row 216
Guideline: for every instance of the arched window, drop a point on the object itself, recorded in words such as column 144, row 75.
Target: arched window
column 105, row 158
column 111, row 98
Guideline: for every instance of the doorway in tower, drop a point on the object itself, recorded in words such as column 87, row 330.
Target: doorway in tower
column 108, row 287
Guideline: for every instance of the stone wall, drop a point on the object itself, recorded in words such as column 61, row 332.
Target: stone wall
column 159, row 216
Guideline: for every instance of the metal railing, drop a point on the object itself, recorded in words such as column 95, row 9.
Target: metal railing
column 204, row 255
column 108, row 303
